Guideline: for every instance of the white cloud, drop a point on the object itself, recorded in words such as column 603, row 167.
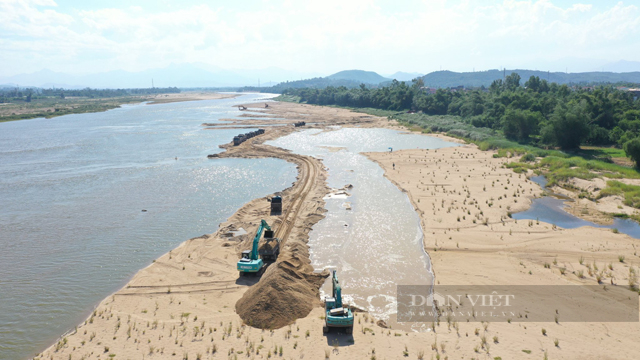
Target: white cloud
column 317, row 36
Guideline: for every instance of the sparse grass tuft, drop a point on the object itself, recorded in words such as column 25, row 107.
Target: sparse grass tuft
column 631, row 193
column 633, row 279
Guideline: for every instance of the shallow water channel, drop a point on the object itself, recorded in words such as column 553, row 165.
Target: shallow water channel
column 551, row 210
column 372, row 236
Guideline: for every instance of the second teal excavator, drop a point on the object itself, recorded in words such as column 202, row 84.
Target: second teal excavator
column 336, row 314
column 252, row 260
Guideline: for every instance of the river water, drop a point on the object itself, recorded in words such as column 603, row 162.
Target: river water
column 72, row 191
column 551, row 210
column 372, row 237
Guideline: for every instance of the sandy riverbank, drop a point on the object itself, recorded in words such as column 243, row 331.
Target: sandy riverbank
column 188, row 96
column 186, row 300
column 184, row 304
column 464, row 250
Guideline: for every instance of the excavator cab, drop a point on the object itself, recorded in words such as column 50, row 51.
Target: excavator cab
column 251, row 261
column 337, row 315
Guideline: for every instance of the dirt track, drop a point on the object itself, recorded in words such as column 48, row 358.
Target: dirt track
column 199, row 280
column 289, row 288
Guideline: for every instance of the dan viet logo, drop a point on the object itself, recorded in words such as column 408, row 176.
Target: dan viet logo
column 436, row 305
column 520, row 303
column 485, row 300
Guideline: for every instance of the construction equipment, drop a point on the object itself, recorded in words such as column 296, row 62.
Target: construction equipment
column 337, row 315
column 270, row 250
column 237, row 140
column 251, row 263
column 276, row 205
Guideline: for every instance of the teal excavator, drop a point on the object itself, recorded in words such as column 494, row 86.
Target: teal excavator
column 252, row 260
column 337, row 315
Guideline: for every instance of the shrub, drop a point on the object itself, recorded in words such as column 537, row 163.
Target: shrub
column 528, row 158
column 632, row 149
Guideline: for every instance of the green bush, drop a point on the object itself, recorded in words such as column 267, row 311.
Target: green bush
column 528, row 158
column 632, row 149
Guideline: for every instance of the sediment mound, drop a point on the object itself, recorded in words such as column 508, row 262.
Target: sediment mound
column 288, row 290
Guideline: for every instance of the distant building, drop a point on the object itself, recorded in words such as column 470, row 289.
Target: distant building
column 429, row 90
column 635, row 92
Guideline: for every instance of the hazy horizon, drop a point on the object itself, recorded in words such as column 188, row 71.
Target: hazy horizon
column 76, row 37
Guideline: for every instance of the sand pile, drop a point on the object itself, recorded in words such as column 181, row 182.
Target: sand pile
column 288, row 290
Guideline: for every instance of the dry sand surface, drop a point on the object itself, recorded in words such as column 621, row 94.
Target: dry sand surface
column 470, row 242
column 190, row 303
column 188, row 96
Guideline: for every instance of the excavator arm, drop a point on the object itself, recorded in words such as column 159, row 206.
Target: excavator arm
column 337, row 290
column 256, row 239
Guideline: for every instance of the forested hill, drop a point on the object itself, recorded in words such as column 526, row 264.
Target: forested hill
column 317, row 83
column 446, row 79
column 360, row 76
column 346, row 78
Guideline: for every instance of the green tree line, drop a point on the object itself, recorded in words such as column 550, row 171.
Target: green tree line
column 28, row 94
column 536, row 112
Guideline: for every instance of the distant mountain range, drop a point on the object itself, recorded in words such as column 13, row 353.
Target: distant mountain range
column 178, row 75
column 347, row 78
column 359, row 76
column 622, row 66
column 275, row 79
column 445, row 79
column 485, row 78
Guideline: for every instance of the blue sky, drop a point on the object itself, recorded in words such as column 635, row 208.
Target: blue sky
column 316, row 36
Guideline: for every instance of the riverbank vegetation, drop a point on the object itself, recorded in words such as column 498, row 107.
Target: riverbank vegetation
column 29, row 103
column 551, row 129
column 536, row 113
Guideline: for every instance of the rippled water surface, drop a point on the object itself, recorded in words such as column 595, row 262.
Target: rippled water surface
column 72, row 191
column 377, row 244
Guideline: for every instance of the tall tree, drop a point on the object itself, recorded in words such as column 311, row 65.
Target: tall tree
column 520, row 124
column 568, row 126
column 632, row 149
column 512, row 82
